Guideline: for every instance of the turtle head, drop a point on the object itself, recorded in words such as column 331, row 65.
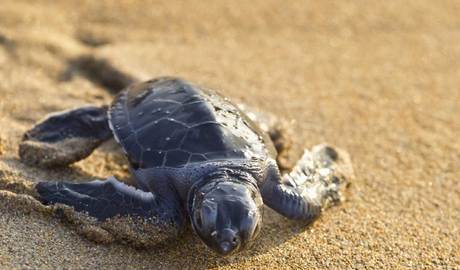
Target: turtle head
column 227, row 215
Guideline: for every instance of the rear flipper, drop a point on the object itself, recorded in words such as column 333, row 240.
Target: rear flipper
column 279, row 131
column 126, row 213
column 65, row 137
column 314, row 184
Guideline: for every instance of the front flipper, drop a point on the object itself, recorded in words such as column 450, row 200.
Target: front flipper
column 65, row 137
column 129, row 214
column 313, row 184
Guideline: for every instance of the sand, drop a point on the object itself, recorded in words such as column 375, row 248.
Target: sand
column 380, row 79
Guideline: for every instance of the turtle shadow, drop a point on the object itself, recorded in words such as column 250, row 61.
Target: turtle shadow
column 99, row 71
column 112, row 147
column 8, row 44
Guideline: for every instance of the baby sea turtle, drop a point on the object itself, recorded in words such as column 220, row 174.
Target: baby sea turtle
column 196, row 158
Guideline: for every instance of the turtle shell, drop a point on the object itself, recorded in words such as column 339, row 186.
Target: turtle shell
column 168, row 122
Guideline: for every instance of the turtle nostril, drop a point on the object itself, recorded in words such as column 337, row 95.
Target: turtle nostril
column 234, row 240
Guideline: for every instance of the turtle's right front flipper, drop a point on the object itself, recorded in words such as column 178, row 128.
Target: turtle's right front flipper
column 65, row 137
column 139, row 217
column 315, row 182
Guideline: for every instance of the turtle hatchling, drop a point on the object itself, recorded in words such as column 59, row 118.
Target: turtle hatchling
column 197, row 159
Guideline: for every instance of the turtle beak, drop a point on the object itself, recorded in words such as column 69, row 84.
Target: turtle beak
column 225, row 248
column 229, row 242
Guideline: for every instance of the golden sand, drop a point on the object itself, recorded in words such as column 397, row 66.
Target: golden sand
column 380, row 79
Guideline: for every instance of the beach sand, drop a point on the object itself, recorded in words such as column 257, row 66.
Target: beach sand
column 380, row 79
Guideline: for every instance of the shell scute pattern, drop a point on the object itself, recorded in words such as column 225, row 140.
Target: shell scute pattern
column 170, row 123
column 152, row 157
column 166, row 135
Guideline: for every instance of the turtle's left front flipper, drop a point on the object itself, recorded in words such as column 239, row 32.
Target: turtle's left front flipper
column 65, row 137
column 315, row 182
column 129, row 214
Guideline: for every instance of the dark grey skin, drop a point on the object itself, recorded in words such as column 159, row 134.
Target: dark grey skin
column 196, row 158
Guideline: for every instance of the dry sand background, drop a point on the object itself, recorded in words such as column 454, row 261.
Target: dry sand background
column 378, row 78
